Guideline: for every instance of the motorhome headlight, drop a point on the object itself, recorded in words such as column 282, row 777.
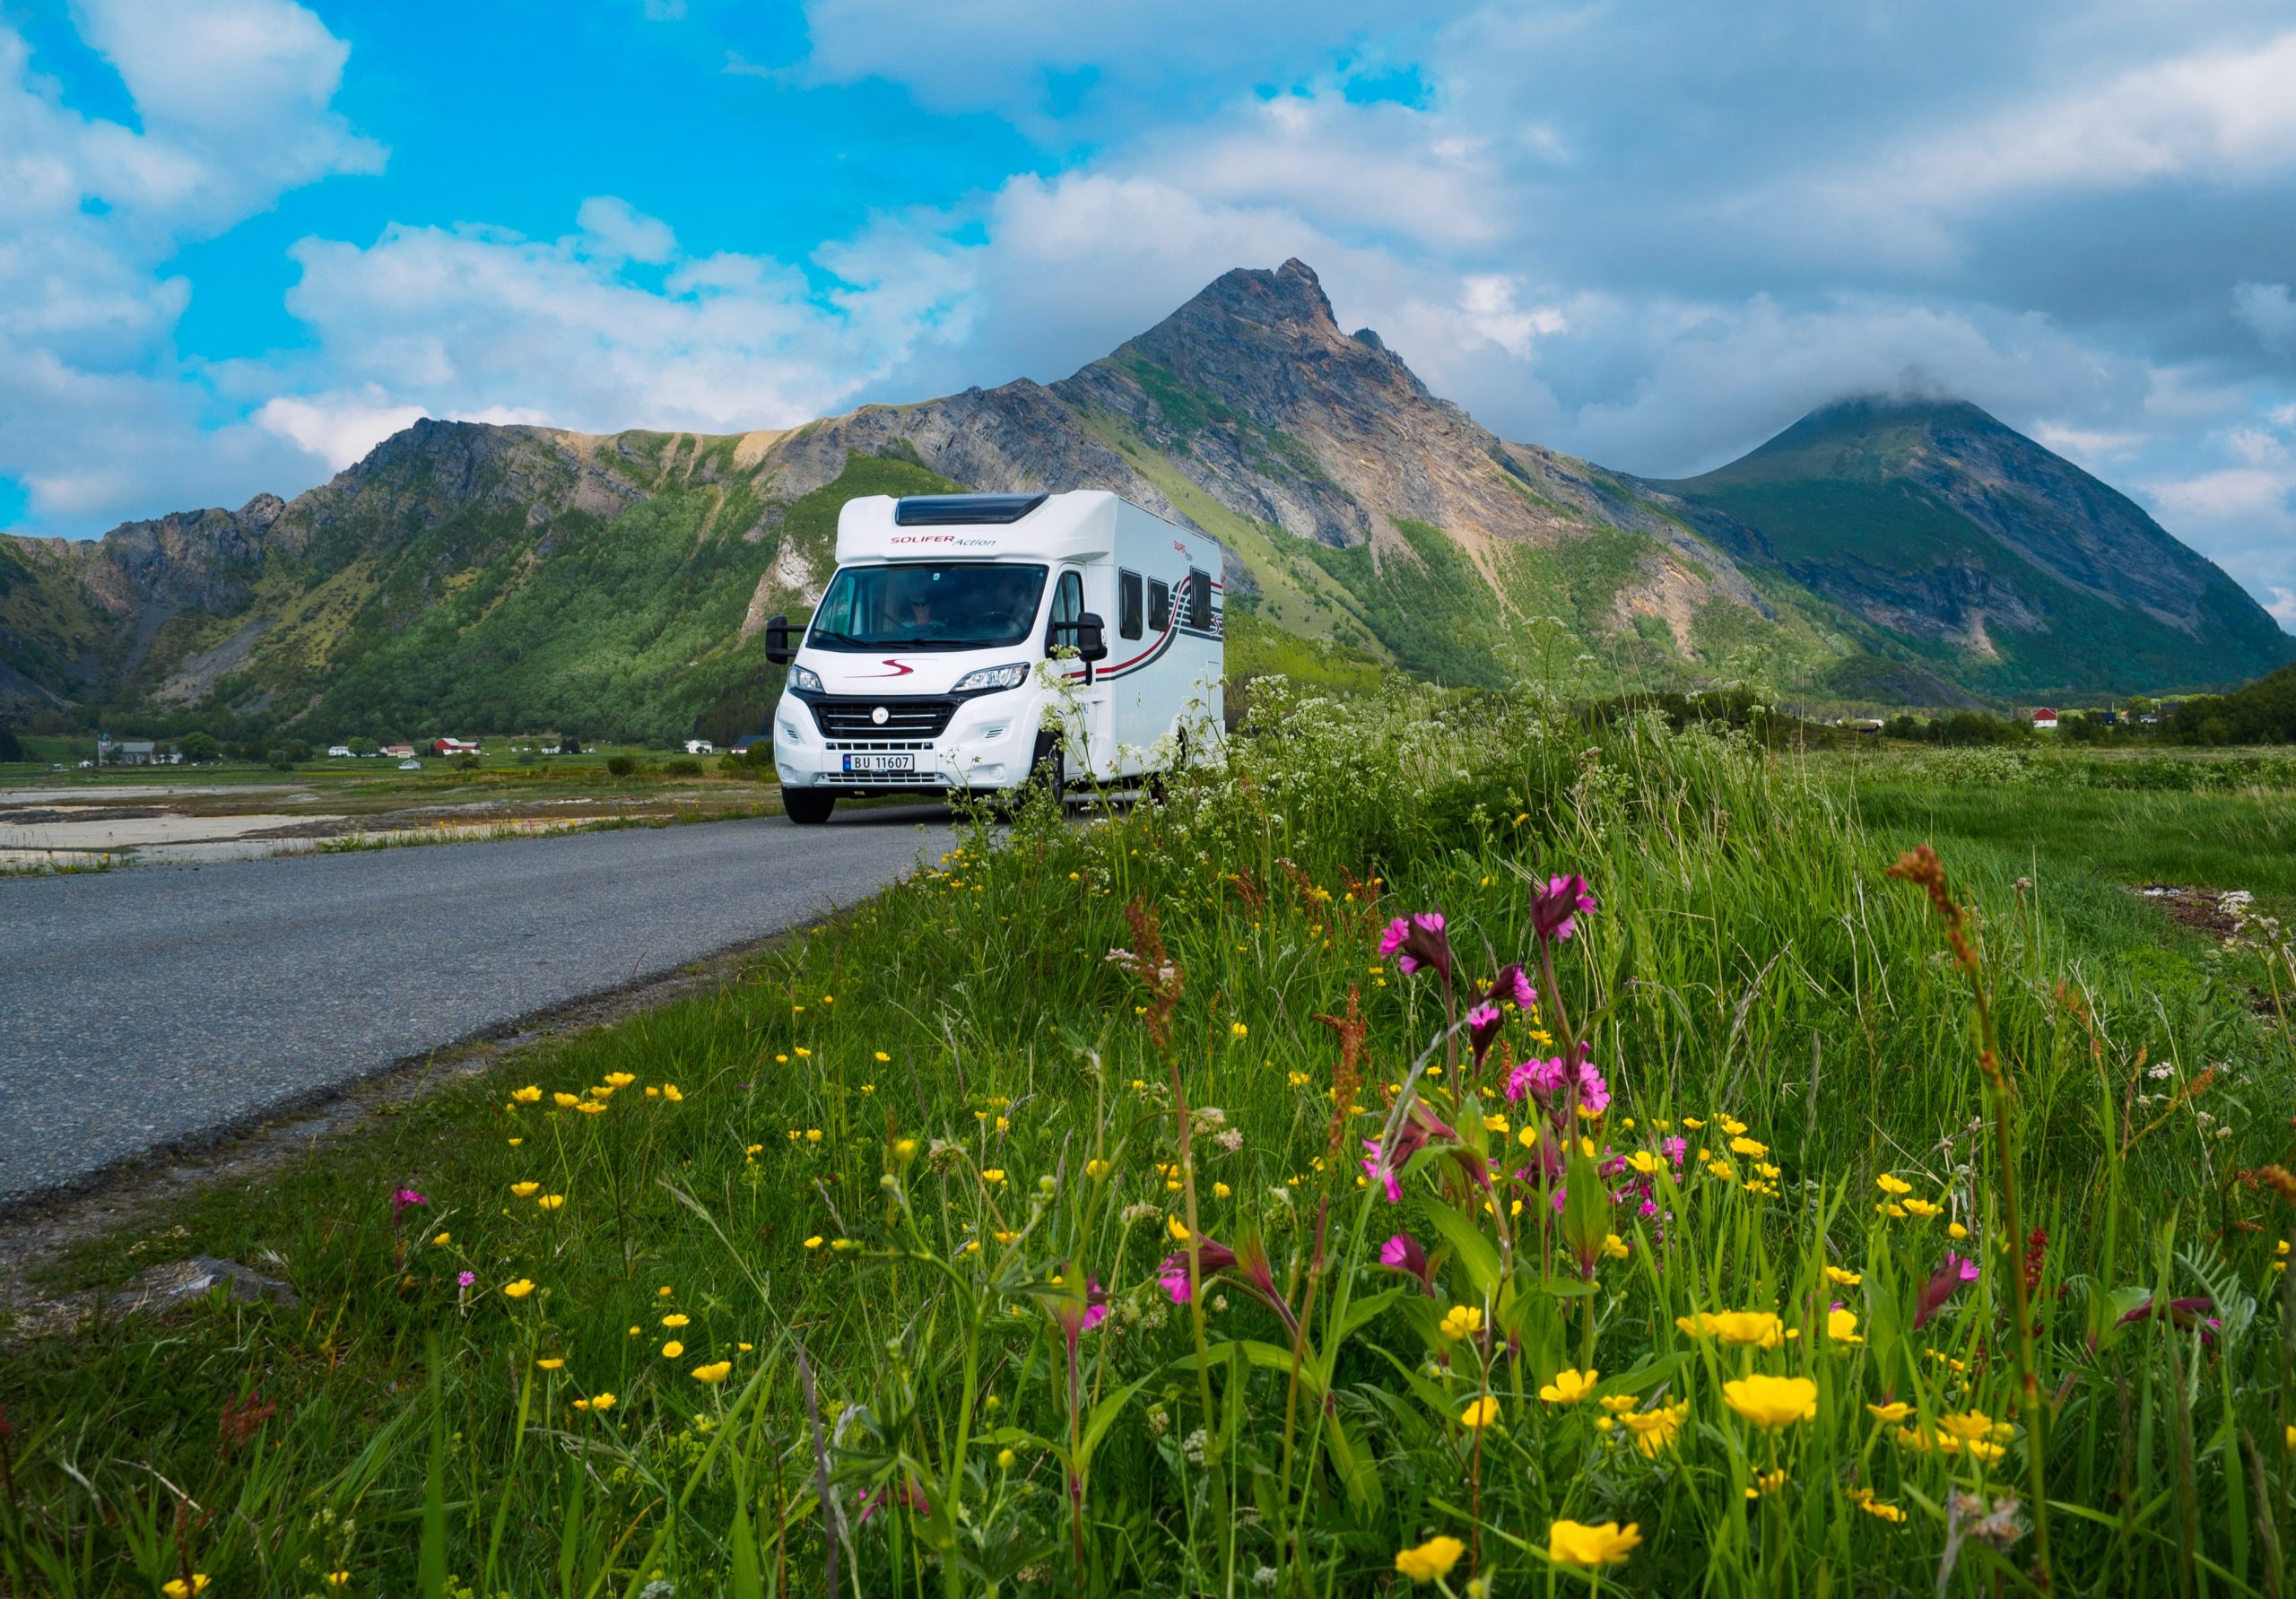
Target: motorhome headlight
column 805, row 680
column 993, row 677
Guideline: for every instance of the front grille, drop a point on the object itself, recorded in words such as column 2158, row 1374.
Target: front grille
column 880, row 743
column 851, row 717
column 918, row 780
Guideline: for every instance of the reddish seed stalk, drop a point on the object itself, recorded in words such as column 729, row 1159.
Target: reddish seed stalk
column 1921, row 867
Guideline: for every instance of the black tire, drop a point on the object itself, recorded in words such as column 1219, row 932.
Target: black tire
column 1049, row 770
column 807, row 807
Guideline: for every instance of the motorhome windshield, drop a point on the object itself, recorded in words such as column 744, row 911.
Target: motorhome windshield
column 940, row 605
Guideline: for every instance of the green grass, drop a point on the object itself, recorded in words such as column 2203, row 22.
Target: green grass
column 1748, row 957
column 2217, row 824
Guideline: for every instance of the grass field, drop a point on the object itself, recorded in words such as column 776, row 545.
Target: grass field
column 950, row 1251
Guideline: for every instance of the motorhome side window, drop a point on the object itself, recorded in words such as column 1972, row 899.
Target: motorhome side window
column 1160, row 606
column 1199, row 600
column 1067, row 605
column 1127, row 605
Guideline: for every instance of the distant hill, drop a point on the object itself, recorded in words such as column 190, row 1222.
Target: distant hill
column 469, row 577
column 1964, row 545
column 2263, row 712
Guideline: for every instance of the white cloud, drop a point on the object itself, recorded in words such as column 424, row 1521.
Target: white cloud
column 480, row 323
column 2267, row 310
column 616, row 230
column 339, row 428
column 98, row 417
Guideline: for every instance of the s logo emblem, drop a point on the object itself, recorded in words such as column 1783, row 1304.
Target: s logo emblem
column 879, row 716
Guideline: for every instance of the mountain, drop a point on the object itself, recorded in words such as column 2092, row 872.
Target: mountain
column 484, row 577
column 1961, row 543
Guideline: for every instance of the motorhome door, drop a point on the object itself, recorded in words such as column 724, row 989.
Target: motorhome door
column 1091, row 741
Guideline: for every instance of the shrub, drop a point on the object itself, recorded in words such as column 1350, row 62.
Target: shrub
column 683, row 766
column 622, row 766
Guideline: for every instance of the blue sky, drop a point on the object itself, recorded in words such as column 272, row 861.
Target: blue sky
column 241, row 240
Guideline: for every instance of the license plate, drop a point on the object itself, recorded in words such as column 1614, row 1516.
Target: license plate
column 881, row 763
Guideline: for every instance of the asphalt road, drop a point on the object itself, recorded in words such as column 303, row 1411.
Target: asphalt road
column 157, row 1006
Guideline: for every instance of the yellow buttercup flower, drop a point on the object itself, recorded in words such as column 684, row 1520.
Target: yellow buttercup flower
column 1842, row 1279
column 442, row 1241
column 1883, row 1508
column 175, row 1588
column 1657, row 1429
column 994, row 1174
column 1967, row 1425
column 550, row 1362
column 551, row 1202
column 1462, row 1321
column 1569, row 1387
column 675, row 1318
column 1178, row 1228
column 815, row 1242
column 1615, row 1402
column 525, row 1190
column 1005, row 1459
column 1890, row 1183
column 1750, row 1149
column 1772, row 1400
column 1574, row 1543
column 518, row 1289
column 601, row 1401
column 527, row 1095
column 1896, row 1411
column 1767, row 1482
column 1096, row 1169
column 566, row 1102
column 673, row 1350
column 592, row 1107
column 1760, row 1327
column 620, row 1078
column 1614, row 1247
column 1841, row 1327
column 1480, row 1412
column 1431, row 1561
column 338, row 1580
column 714, row 1373
column 1921, row 1208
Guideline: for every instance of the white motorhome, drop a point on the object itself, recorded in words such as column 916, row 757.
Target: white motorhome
column 971, row 642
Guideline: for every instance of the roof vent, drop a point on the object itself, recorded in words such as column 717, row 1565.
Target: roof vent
column 950, row 510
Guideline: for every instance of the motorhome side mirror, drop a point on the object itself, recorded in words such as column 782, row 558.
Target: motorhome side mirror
column 778, row 647
column 1092, row 638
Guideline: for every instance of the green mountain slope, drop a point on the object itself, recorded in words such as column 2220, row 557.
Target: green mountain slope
column 1966, row 547
column 468, row 577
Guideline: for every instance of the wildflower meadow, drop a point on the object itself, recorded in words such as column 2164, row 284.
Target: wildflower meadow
column 1447, row 1147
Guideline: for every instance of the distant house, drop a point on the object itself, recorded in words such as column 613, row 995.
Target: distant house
column 700, row 746
column 743, row 747
column 456, row 746
column 338, row 751
column 2044, row 720
column 399, row 751
column 137, row 752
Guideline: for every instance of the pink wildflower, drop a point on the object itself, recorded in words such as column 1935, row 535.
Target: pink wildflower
column 1675, row 1149
column 1210, row 1257
column 1417, row 940
column 1554, row 913
column 403, row 1200
column 1540, row 1077
column 464, row 1279
column 1943, row 1284
column 1594, row 1093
